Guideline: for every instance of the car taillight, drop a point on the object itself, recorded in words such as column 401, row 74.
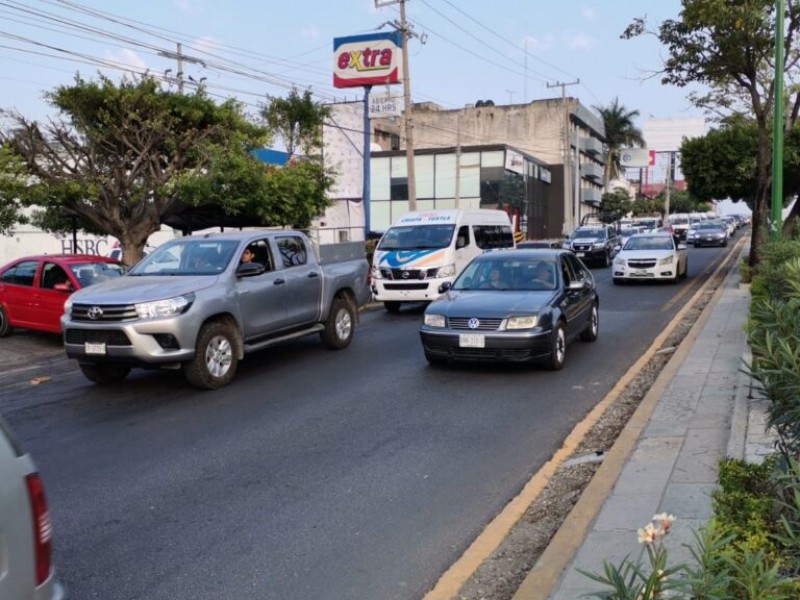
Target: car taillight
column 42, row 528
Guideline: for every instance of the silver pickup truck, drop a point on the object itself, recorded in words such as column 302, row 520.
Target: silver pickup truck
column 200, row 303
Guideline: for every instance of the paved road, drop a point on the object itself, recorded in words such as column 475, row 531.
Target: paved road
column 317, row 474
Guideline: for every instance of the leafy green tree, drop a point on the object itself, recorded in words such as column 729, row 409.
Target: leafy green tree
column 722, row 164
column 728, row 46
column 621, row 132
column 616, row 204
column 122, row 157
column 297, row 119
column 12, row 171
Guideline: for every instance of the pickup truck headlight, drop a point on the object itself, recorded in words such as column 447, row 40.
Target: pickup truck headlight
column 446, row 271
column 376, row 272
column 164, row 308
column 522, row 322
column 434, row 320
column 598, row 245
column 666, row 261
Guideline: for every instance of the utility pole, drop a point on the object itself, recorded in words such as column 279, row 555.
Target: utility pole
column 569, row 221
column 510, row 96
column 408, row 118
column 181, row 57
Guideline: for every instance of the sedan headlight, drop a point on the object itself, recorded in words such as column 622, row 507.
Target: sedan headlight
column 619, row 261
column 446, row 271
column 164, row 308
column 433, row 320
column 666, row 261
column 522, row 322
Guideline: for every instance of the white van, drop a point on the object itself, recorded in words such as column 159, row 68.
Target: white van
column 424, row 249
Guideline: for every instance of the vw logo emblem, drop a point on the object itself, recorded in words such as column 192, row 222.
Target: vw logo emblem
column 404, row 275
column 94, row 313
column 473, row 323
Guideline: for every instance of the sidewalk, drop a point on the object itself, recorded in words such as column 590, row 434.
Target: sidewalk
column 700, row 410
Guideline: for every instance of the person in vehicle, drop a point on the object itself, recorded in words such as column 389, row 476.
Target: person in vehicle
column 544, row 277
column 495, row 281
column 248, row 257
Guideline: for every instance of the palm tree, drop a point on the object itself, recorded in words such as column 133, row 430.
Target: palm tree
column 620, row 133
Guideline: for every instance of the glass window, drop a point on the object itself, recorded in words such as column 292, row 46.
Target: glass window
column 261, row 254
column 21, row 273
column 445, row 175
column 493, row 159
column 470, row 175
column 567, row 271
column 52, row 274
column 463, row 237
column 493, row 236
column 424, row 176
column 293, row 251
column 380, row 179
column 380, row 215
column 578, row 269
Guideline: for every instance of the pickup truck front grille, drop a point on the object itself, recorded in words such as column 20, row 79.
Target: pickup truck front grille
column 94, row 313
column 483, row 324
column 110, row 337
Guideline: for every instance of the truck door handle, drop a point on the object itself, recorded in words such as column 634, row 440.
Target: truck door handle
column 279, row 282
column 313, row 274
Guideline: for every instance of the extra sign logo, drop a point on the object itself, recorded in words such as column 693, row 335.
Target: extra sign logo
column 371, row 59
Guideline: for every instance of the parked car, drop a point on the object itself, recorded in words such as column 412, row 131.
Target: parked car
column 594, row 244
column 626, row 232
column 26, row 571
column 708, row 233
column 33, row 288
column 192, row 304
column 499, row 310
column 651, row 256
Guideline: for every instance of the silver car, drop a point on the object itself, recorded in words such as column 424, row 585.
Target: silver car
column 26, row 570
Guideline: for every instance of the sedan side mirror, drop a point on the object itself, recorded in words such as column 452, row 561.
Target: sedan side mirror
column 681, row 246
column 445, row 287
column 576, row 285
column 63, row 287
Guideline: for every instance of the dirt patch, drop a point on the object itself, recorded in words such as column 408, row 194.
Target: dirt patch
column 500, row 575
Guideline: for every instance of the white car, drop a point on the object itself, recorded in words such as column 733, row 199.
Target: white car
column 26, row 571
column 649, row 257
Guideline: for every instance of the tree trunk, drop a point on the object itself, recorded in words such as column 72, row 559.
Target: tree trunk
column 760, row 229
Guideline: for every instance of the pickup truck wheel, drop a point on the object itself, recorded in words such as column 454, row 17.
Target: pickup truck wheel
column 214, row 362
column 104, row 373
column 592, row 327
column 338, row 332
column 558, row 348
column 392, row 307
column 5, row 328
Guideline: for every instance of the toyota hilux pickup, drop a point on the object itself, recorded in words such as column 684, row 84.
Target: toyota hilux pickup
column 201, row 303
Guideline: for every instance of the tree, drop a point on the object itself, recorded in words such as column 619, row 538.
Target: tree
column 620, row 133
column 615, row 205
column 122, row 157
column 729, row 47
column 722, row 164
column 297, row 120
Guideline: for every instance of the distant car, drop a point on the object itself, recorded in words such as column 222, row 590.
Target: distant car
column 594, row 243
column 513, row 305
column 708, row 233
column 33, row 289
column 651, row 257
column 25, row 530
column 626, row 232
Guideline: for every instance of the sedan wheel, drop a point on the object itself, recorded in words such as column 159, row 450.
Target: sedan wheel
column 593, row 327
column 558, row 348
column 5, row 328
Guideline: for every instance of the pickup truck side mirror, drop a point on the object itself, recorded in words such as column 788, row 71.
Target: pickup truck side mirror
column 249, row 269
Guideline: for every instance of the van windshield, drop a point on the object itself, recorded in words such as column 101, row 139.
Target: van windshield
column 417, row 237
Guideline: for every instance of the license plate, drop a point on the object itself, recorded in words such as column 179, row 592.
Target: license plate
column 580, row 254
column 472, row 340
column 639, row 273
column 94, row 348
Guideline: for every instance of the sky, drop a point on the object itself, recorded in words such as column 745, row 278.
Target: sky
column 508, row 51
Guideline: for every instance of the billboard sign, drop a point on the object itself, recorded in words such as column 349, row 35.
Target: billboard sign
column 369, row 59
column 636, row 158
column 514, row 162
column 385, row 105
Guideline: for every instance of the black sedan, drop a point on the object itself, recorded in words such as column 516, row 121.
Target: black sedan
column 513, row 305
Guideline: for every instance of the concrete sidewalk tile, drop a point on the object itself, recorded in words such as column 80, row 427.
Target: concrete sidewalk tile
column 626, row 511
column 689, row 500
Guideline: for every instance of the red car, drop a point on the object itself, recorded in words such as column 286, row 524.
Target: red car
column 33, row 289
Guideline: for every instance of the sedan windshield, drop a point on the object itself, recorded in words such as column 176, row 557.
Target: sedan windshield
column 660, row 242
column 529, row 274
